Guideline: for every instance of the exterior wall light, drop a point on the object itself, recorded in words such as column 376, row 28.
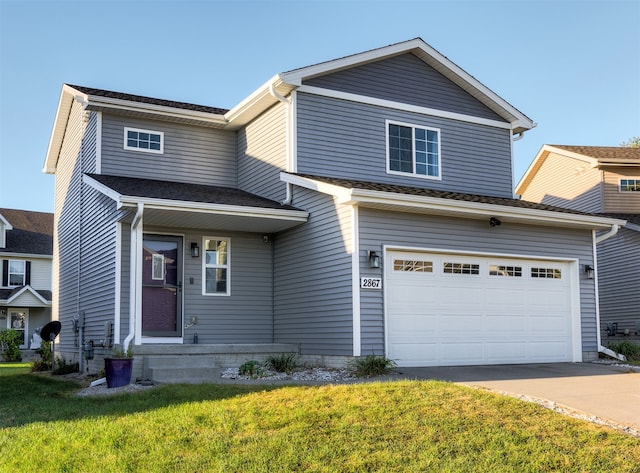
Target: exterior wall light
column 195, row 250
column 589, row 271
column 374, row 259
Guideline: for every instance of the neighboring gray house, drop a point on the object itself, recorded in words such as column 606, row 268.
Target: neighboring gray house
column 26, row 252
column 361, row 205
column 604, row 180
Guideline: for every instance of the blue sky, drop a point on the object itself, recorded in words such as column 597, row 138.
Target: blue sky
column 572, row 66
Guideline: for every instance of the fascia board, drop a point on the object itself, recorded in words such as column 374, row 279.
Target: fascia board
column 59, row 126
column 253, row 100
column 343, row 194
column 106, row 190
column 235, row 210
column 457, row 207
column 406, row 107
column 99, row 102
column 5, row 222
column 31, row 256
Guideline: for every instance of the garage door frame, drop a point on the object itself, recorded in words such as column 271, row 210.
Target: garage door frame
column 574, row 284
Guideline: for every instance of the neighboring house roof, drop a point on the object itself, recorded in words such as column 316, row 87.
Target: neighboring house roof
column 7, row 296
column 415, row 199
column 197, row 201
column 270, row 93
column 31, row 232
column 597, row 156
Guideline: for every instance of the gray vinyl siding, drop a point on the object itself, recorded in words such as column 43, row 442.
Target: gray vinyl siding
column 191, row 154
column 616, row 201
column 405, row 79
column 262, row 154
column 345, row 139
column 84, row 251
column 619, row 280
column 245, row 316
column 566, row 182
column 312, row 293
column 379, row 228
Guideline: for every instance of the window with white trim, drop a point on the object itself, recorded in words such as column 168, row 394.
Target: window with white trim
column 144, row 140
column 215, row 267
column 629, row 185
column 413, row 150
column 17, row 273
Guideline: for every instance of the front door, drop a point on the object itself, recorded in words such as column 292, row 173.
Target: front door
column 18, row 320
column 162, row 286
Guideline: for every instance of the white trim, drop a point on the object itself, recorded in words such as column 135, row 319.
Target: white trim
column 32, row 291
column 98, row 142
column 413, row 127
column 452, row 207
column 576, row 327
column 126, row 146
column 627, row 178
column 30, row 256
column 226, row 266
column 24, row 346
column 117, row 313
column 355, row 280
column 405, row 107
column 107, row 191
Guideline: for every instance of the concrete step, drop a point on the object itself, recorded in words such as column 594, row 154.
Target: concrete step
column 181, row 369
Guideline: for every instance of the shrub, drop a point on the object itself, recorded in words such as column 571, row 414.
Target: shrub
column 251, row 368
column 10, row 344
column 284, row 363
column 44, row 363
column 62, row 367
column 371, row 365
column 628, row 349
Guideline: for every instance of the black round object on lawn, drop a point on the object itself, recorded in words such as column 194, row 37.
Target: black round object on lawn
column 49, row 333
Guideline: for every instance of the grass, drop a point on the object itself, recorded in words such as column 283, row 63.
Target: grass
column 401, row 426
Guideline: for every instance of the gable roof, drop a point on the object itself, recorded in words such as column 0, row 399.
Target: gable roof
column 31, row 232
column 10, row 296
column 269, row 94
column 455, row 204
column 597, row 156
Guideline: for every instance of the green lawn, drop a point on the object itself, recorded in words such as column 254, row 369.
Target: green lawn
column 402, row 426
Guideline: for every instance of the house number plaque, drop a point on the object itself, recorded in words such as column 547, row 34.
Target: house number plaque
column 371, row 283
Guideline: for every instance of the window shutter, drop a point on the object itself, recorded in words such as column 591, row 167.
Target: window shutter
column 5, row 273
column 27, row 275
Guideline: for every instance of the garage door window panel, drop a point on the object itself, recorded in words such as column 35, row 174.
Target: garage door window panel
column 546, row 273
column 507, row 271
column 415, row 266
column 461, row 268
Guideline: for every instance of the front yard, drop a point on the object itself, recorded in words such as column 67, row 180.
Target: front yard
column 397, row 426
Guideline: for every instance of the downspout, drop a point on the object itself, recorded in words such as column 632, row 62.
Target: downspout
column 287, row 102
column 599, row 239
column 133, row 273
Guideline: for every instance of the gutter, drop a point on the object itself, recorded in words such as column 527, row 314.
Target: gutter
column 133, row 265
column 599, row 239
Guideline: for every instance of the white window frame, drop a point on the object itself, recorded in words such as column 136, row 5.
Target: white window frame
column 413, row 127
column 144, row 150
column 25, row 312
column 24, row 273
column 206, row 266
column 620, row 189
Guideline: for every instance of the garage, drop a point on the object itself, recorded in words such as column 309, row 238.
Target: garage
column 457, row 309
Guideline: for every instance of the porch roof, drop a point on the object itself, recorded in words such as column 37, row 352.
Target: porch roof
column 185, row 205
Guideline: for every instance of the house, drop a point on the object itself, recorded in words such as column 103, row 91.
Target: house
column 26, row 253
column 361, row 205
column 604, row 180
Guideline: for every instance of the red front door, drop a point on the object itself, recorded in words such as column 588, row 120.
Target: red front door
column 162, row 286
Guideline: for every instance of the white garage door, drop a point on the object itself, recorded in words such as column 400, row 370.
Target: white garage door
column 445, row 310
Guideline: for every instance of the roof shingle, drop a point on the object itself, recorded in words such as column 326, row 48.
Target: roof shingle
column 32, row 232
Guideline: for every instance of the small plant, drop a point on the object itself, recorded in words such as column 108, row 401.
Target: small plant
column 62, row 367
column 371, row 365
column 628, row 349
column 10, row 344
column 119, row 352
column 284, row 363
column 251, row 368
column 44, row 363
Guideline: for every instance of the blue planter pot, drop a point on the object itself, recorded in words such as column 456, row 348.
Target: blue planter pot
column 118, row 371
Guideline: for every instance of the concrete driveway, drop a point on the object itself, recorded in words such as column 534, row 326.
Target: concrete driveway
column 608, row 392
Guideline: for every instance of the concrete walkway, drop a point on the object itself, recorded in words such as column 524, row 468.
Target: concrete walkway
column 608, row 392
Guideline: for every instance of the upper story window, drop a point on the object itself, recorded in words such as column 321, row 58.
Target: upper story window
column 17, row 273
column 144, row 140
column 629, row 185
column 413, row 150
column 216, row 266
